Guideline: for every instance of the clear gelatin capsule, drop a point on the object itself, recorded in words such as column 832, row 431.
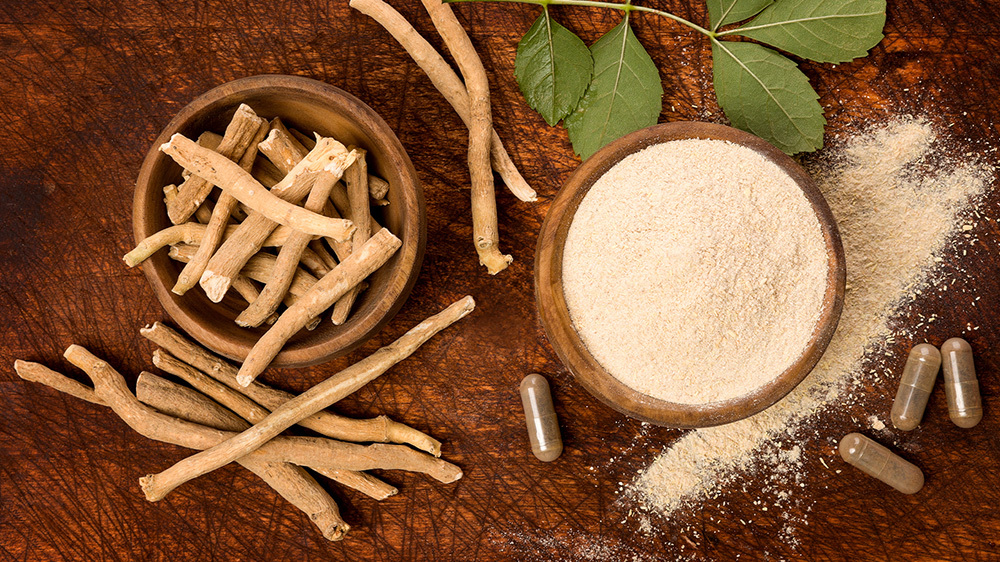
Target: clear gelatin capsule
column 961, row 388
column 540, row 415
column 879, row 462
column 915, row 386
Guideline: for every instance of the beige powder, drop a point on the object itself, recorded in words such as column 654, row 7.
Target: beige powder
column 899, row 202
column 695, row 270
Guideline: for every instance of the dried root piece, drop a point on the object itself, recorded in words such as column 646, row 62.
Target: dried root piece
column 191, row 233
column 41, row 374
column 378, row 187
column 356, row 178
column 193, row 192
column 240, row 184
column 317, row 247
column 318, row 453
column 281, row 149
column 308, row 403
column 249, row 291
column 224, row 207
column 313, row 262
column 259, row 268
column 238, row 403
column 284, row 149
column 484, row 205
column 376, row 430
column 447, row 82
column 236, row 250
column 187, row 404
column 354, row 269
column 292, row 482
column 289, row 256
column 266, row 173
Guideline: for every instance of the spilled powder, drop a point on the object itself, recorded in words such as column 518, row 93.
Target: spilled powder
column 695, row 282
column 899, row 202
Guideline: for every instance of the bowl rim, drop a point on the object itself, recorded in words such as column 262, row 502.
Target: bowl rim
column 554, row 313
column 410, row 255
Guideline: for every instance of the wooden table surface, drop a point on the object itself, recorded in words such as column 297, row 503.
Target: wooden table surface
column 86, row 85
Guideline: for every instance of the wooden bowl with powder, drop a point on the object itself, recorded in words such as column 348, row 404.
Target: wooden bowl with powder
column 689, row 274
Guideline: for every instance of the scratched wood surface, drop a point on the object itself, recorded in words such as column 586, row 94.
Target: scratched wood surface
column 85, row 86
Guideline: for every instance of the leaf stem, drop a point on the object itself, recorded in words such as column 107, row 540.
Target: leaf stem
column 626, row 7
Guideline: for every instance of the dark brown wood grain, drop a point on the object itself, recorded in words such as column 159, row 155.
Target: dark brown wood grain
column 85, row 87
column 569, row 346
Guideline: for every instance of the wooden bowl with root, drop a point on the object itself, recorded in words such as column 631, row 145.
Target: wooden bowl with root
column 255, row 192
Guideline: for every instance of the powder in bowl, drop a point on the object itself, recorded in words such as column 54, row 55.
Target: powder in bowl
column 695, row 271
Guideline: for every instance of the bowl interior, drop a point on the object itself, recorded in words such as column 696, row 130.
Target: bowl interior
column 569, row 346
column 309, row 106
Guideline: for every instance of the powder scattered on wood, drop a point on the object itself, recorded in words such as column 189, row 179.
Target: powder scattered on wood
column 900, row 202
column 695, row 271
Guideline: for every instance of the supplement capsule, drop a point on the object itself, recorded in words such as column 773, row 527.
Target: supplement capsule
column 877, row 461
column 915, row 386
column 540, row 415
column 961, row 388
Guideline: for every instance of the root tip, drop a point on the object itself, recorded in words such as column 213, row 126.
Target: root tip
column 148, row 488
column 215, row 286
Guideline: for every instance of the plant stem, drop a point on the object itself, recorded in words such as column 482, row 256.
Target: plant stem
column 626, row 7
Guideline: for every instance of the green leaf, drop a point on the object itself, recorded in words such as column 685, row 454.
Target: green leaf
column 819, row 30
column 766, row 94
column 625, row 95
column 724, row 12
column 553, row 68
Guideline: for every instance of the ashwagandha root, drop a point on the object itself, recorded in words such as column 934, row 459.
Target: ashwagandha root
column 192, row 193
column 302, row 451
column 313, row 452
column 238, row 403
column 266, row 172
column 314, row 262
column 377, row 187
column 321, row 252
column 306, row 404
column 246, row 289
column 259, row 269
column 353, row 270
column 285, row 149
column 247, row 240
column 376, row 430
column 188, row 404
column 281, row 149
column 290, row 254
column 342, row 204
column 191, row 233
column 240, row 184
column 214, row 230
column 202, row 215
column 356, row 180
column 485, row 232
column 36, row 372
column 290, row 481
column 447, row 82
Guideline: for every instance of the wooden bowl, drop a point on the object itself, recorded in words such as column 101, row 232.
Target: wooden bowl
column 309, row 106
column 571, row 349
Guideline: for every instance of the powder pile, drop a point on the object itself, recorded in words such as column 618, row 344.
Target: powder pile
column 898, row 200
column 695, row 271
